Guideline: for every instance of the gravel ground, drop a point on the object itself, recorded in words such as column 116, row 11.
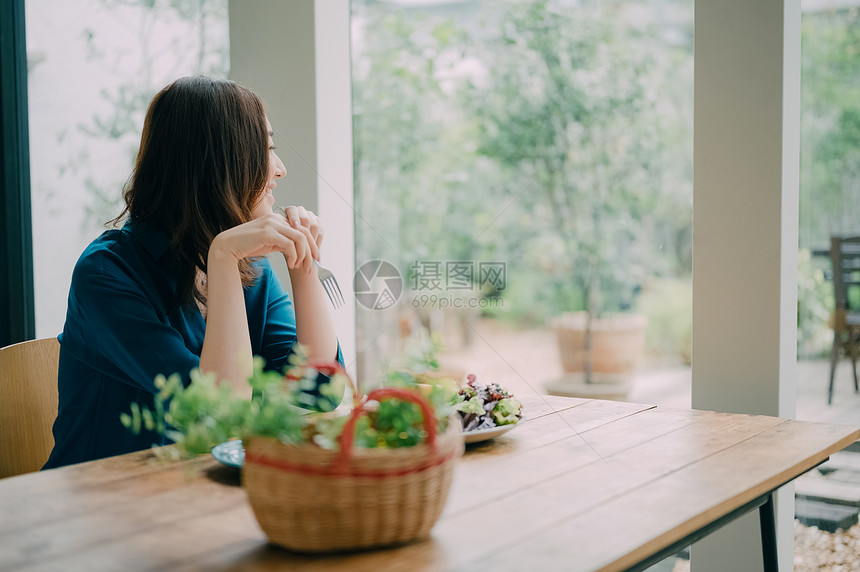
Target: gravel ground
column 817, row 550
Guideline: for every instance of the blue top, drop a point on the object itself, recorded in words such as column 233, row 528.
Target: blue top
column 121, row 332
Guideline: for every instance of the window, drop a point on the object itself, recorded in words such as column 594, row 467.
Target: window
column 829, row 199
column 93, row 68
column 514, row 163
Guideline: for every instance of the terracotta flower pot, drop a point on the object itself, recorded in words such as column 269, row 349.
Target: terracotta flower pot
column 617, row 347
column 617, row 343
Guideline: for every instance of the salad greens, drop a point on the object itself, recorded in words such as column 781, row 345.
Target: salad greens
column 484, row 406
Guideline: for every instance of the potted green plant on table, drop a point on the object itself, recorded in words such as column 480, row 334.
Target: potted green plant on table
column 565, row 113
column 320, row 480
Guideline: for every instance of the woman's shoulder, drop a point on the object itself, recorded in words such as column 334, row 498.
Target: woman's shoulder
column 110, row 244
column 266, row 274
column 267, row 284
column 263, row 264
column 115, row 251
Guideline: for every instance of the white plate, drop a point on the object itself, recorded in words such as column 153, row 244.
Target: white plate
column 230, row 453
column 487, row 434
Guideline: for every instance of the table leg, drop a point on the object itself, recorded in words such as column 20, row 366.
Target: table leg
column 768, row 535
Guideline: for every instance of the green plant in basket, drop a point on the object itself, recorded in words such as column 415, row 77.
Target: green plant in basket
column 398, row 423
column 203, row 413
column 293, row 407
column 392, row 423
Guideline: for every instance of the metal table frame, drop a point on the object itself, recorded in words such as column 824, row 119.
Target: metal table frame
column 767, row 524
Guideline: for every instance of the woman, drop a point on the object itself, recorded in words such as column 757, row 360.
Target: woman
column 180, row 285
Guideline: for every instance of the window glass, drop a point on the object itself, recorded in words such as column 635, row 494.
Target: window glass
column 93, row 66
column 829, row 203
column 526, row 166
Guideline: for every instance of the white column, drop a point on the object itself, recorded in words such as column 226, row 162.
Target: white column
column 296, row 56
column 746, row 159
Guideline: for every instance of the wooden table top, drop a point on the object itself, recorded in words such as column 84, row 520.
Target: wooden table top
column 583, row 484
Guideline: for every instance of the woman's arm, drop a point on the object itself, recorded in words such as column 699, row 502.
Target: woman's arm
column 227, row 343
column 314, row 324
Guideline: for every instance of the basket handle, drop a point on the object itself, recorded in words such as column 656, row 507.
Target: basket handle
column 347, row 436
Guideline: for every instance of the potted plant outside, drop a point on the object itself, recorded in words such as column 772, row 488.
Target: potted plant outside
column 565, row 112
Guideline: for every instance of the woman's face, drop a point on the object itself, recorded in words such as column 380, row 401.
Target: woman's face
column 276, row 170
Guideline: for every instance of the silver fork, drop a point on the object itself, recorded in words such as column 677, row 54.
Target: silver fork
column 330, row 286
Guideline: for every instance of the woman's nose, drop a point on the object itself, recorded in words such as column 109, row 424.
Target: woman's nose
column 280, row 170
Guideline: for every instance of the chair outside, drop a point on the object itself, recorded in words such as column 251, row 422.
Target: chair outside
column 845, row 257
column 28, row 406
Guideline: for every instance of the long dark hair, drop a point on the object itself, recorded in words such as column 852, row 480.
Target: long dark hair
column 202, row 164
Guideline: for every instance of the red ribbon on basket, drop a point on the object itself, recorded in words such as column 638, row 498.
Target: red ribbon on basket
column 337, row 471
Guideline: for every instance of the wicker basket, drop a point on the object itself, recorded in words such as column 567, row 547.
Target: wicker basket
column 314, row 500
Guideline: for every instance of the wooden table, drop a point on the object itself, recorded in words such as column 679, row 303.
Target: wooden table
column 581, row 485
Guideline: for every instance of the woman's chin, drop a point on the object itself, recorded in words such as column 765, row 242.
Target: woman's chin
column 264, row 206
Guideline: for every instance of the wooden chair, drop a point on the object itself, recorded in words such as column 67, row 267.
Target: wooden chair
column 28, row 404
column 845, row 257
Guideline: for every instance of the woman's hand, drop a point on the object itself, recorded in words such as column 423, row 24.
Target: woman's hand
column 272, row 233
column 301, row 218
column 314, row 325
